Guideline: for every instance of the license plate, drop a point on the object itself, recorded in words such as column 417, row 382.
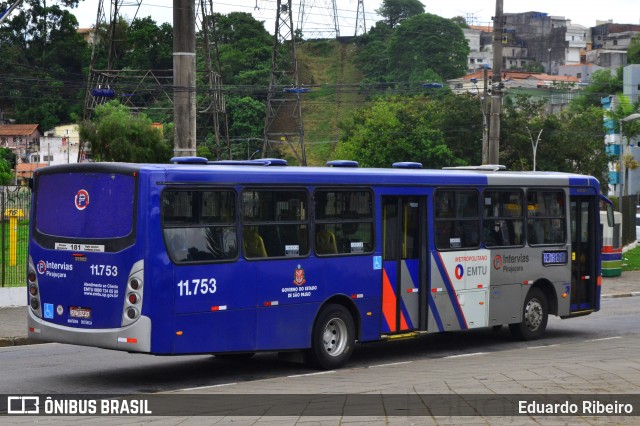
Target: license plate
column 78, row 312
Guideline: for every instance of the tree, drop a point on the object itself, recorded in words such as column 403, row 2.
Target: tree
column 397, row 128
column 603, row 83
column 117, row 135
column 245, row 49
column 149, row 46
column 371, row 55
column 427, row 42
column 7, row 162
column 41, row 68
column 571, row 141
column 629, row 129
column 460, row 21
column 396, row 11
column 246, row 126
column 633, row 52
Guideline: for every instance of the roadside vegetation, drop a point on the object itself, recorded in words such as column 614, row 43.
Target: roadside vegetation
column 631, row 260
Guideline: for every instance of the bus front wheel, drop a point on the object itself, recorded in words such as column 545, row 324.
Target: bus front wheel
column 333, row 338
column 535, row 314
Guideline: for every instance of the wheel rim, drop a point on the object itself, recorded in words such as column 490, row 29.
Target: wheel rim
column 533, row 314
column 334, row 337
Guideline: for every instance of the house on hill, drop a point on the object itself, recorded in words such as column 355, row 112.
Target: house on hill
column 22, row 139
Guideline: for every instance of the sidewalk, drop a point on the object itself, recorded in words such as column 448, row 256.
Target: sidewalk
column 13, row 320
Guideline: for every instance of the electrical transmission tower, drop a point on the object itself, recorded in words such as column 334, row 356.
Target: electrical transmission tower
column 213, row 102
column 305, row 10
column 283, row 121
column 361, row 22
column 152, row 91
column 336, row 26
column 137, row 89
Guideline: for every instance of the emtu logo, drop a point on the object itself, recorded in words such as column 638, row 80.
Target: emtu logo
column 459, row 272
column 82, row 199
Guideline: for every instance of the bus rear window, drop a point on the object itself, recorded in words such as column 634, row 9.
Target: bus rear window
column 85, row 206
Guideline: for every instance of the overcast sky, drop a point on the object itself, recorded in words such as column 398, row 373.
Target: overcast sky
column 583, row 12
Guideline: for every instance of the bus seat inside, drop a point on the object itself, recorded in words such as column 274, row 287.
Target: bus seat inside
column 326, row 242
column 253, row 244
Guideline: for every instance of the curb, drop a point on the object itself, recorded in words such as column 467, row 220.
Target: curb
column 16, row 341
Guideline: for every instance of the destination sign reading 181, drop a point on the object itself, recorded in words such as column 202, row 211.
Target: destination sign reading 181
column 554, row 257
column 80, row 247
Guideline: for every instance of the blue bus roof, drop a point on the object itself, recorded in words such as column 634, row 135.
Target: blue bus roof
column 221, row 173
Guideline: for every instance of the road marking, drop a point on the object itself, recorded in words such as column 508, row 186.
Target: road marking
column 390, row 364
column 543, row 346
column 605, row 338
column 465, row 355
column 205, row 387
column 312, row 374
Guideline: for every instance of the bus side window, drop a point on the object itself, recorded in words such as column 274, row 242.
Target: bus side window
column 546, row 217
column 457, row 219
column 344, row 221
column 503, row 218
column 199, row 225
column 276, row 223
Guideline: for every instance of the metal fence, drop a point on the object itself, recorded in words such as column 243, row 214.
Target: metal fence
column 15, row 203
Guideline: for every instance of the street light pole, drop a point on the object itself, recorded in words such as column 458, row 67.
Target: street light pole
column 534, row 145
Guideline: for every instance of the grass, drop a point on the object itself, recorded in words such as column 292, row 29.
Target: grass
column 631, row 260
column 15, row 275
column 328, row 67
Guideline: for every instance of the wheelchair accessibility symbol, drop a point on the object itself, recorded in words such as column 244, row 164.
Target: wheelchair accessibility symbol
column 377, row 262
column 48, row 310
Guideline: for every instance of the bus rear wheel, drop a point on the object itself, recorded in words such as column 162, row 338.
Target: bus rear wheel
column 535, row 315
column 333, row 338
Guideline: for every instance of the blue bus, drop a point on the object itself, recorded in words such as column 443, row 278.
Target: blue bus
column 236, row 257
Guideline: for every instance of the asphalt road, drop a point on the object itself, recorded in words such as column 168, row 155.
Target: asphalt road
column 60, row 369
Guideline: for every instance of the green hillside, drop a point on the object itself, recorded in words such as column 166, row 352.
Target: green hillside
column 326, row 66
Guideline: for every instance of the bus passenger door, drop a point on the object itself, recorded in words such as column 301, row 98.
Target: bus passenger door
column 583, row 253
column 403, row 266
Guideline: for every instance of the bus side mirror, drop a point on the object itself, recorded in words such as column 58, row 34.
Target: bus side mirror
column 610, row 221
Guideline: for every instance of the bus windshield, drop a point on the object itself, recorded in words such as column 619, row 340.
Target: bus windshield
column 85, row 206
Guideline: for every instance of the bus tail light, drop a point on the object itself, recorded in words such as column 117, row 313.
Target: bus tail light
column 132, row 308
column 132, row 313
column 33, row 289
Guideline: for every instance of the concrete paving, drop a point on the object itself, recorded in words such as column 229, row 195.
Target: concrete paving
column 13, row 320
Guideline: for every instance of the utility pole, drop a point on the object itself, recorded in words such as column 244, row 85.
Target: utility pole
column 485, row 126
column 496, row 86
column 184, row 77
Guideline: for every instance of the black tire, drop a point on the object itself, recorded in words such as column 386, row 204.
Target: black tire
column 535, row 314
column 332, row 339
